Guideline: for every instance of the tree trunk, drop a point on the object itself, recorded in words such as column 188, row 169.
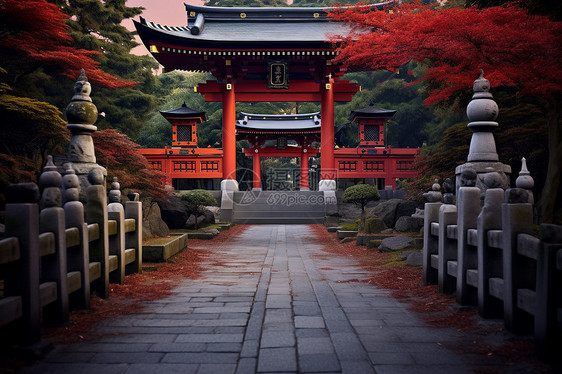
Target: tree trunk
column 550, row 203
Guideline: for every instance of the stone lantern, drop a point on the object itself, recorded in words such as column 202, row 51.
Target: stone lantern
column 81, row 115
column 483, row 159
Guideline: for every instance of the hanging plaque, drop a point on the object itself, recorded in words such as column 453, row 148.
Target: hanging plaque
column 281, row 143
column 278, row 74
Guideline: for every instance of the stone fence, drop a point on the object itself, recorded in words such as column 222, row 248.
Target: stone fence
column 54, row 255
column 483, row 247
column 489, row 257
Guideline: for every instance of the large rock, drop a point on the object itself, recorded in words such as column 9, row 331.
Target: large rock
column 205, row 218
column 415, row 258
column 209, row 216
column 409, row 224
column 396, row 243
column 152, row 223
column 174, row 212
column 405, row 209
column 390, row 210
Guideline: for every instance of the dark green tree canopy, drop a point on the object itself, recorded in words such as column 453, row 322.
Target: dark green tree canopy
column 361, row 194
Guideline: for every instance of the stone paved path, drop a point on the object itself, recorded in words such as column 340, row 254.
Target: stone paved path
column 268, row 304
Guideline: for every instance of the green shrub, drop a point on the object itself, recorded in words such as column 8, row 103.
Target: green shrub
column 351, row 226
column 373, row 225
column 361, row 194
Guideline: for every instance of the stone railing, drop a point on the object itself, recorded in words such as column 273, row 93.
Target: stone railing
column 54, row 255
column 487, row 255
column 483, row 249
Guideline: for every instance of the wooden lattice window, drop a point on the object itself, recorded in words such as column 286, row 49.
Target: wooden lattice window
column 348, row 165
column 184, row 165
column 404, row 165
column 184, row 134
column 209, row 165
column 156, row 165
column 371, row 133
column 374, row 165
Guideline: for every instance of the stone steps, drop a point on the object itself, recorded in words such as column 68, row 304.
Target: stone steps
column 285, row 207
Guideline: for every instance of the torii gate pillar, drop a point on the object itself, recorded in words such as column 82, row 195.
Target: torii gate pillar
column 229, row 185
column 327, row 163
column 229, row 182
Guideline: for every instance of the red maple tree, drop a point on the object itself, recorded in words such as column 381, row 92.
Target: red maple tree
column 120, row 156
column 34, row 35
column 513, row 47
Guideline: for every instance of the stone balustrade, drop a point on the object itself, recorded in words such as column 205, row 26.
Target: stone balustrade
column 488, row 257
column 54, row 256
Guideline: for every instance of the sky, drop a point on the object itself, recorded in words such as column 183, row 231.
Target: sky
column 165, row 12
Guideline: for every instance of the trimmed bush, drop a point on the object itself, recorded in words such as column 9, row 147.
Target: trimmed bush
column 361, row 194
column 349, row 226
column 197, row 199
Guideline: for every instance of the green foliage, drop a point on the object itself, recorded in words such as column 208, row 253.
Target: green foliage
column 360, row 194
column 373, row 225
column 31, row 130
column 350, row 226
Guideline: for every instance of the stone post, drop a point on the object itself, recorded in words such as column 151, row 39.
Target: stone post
column 430, row 241
column 77, row 256
column 482, row 112
column 51, row 220
column 525, row 181
column 22, row 222
column 490, row 263
column 96, row 213
column 81, row 115
column 133, row 239
column 116, row 212
column 517, row 218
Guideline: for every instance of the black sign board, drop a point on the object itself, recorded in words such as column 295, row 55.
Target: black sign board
column 281, row 143
column 278, row 74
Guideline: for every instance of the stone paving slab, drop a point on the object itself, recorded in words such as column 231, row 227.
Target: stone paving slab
column 273, row 306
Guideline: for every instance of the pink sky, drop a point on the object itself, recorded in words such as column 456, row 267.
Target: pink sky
column 165, row 12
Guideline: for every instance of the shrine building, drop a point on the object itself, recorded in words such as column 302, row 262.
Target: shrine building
column 268, row 55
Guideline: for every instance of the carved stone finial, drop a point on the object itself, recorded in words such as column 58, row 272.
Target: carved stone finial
column 70, row 184
column 524, row 180
column 482, row 111
column 82, row 88
column 81, row 110
column 448, row 188
column 434, row 195
column 115, row 193
column 435, row 186
column 50, row 182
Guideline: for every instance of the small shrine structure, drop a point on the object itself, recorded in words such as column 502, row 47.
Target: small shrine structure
column 371, row 158
column 184, row 160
